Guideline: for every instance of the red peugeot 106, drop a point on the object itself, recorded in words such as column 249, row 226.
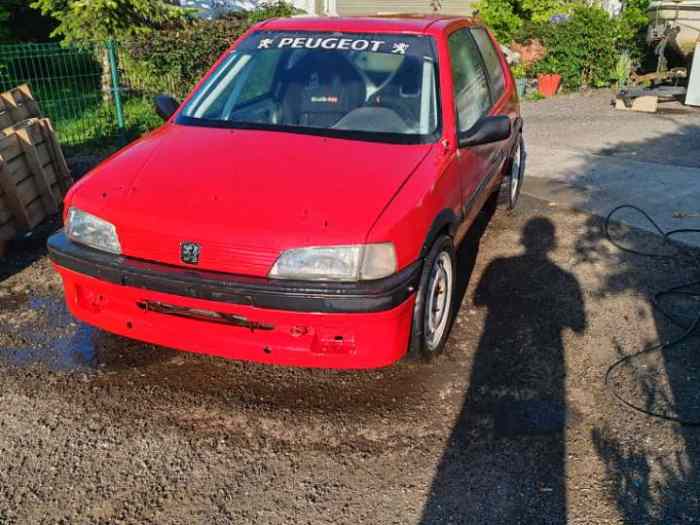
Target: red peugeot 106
column 302, row 206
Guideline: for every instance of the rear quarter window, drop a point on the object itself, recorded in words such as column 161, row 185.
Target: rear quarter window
column 492, row 61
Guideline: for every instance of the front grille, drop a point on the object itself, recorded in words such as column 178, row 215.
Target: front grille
column 214, row 256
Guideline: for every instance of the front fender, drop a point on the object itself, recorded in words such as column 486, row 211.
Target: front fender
column 427, row 204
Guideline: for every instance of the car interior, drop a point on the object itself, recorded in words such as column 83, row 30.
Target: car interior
column 357, row 91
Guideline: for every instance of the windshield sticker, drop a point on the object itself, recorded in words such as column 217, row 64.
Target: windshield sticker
column 331, row 43
column 400, row 48
column 325, row 100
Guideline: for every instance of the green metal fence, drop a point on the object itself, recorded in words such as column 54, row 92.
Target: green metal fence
column 92, row 100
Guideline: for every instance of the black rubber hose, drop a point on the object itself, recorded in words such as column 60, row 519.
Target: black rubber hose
column 684, row 290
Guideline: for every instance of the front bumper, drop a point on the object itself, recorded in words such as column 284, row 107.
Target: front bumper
column 329, row 325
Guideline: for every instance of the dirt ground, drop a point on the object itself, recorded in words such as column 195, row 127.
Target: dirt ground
column 513, row 424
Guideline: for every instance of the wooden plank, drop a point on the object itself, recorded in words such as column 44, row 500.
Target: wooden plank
column 645, row 104
column 34, row 176
column 22, row 193
column 50, row 173
column 5, row 214
column 27, row 191
column 5, row 117
column 26, row 136
column 63, row 174
column 57, row 189
column 20, row 104
column 29, row 100
column 10, row 148
column 22, row 218
column 44, row 153
column 36, row 213
column 7, row 224
column 8, row 130
column 34, row 128
column 30, row 125
column 17, row 170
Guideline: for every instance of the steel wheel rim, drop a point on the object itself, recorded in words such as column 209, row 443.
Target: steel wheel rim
column 515, row 175
column 438, row 300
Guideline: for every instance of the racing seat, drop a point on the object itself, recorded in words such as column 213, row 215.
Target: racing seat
column 321, row 88
column 402, row 93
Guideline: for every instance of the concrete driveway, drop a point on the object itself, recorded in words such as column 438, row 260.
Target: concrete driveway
column 584, row 154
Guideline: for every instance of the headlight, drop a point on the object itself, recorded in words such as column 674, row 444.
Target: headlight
column 84, row 228
column 336, row 263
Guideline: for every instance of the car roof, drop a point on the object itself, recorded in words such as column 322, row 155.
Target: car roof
column 390, row 23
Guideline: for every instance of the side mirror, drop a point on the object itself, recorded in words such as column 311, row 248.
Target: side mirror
column 166, row 106
column 485, row 131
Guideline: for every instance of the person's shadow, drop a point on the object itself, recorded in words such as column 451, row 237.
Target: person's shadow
column 505, row 459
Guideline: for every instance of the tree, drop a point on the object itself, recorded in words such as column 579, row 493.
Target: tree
column 4, row 24
column 20, row 23
column 98, row 20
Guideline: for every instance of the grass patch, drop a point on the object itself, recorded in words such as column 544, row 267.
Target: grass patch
column 95, row 130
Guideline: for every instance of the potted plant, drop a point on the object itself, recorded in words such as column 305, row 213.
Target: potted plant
column 548, row 79
column 519, row 71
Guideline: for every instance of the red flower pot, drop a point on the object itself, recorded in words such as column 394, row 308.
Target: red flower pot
column 547, row 85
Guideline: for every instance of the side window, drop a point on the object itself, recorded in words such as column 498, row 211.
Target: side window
column 472, row 97
column 493, row 63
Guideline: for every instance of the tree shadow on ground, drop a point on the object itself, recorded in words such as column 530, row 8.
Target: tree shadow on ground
column 515, row 405
column 653, row 466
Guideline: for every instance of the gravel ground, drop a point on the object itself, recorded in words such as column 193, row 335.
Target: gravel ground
column 511, row 425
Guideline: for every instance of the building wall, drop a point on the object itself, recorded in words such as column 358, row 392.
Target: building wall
column 365, row 7
column 337, row 7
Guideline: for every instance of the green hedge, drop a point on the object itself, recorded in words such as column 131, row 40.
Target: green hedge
column 582, row 49
column 172, row 59
column 583, row 46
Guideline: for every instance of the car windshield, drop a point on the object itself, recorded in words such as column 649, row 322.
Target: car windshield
column 378, row 86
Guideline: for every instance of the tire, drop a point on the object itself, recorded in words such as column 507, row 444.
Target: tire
column 429, row 331
column 512, row 184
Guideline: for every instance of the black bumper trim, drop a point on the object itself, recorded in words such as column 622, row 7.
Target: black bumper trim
column 297, row 296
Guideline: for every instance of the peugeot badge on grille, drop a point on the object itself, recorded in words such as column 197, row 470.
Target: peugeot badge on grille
column 189, row 252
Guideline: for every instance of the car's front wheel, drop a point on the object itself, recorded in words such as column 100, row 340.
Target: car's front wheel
column 513, row 180
column 434, row 310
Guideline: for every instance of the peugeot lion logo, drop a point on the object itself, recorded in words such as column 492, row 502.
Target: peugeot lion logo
column 189, row 252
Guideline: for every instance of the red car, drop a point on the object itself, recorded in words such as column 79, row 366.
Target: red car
column 302, row 206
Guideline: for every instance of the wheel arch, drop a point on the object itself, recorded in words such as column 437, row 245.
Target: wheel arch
column 446, row 222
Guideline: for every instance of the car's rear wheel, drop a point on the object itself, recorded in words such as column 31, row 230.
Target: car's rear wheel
column 513, row 180
column 434, row 310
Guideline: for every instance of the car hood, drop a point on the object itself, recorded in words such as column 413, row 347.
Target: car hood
column 243, row 195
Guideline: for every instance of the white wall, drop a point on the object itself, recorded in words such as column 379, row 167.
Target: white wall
column 338, row 7
column 210, row 8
